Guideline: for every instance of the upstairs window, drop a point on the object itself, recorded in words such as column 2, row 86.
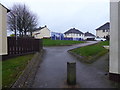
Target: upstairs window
column 103, row 30
column 107, row 30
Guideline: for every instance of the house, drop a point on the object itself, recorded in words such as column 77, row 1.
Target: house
column 89, row 36
column 3, row 29
column 75, row 34
column 103, row 31
column 41, row 32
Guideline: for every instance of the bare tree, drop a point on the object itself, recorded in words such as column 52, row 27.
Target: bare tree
column 21, row 20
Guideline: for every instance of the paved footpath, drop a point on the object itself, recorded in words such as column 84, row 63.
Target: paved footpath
column 52, row 72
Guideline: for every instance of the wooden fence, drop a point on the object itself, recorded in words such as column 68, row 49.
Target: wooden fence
column 21, row 46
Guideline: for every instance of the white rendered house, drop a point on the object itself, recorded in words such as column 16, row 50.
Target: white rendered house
column 89, row 36
column 3, row 29
column 73, row 33
column 41, row 32
column 103, row 30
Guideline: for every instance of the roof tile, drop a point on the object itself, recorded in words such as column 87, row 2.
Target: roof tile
column 106, row 26
column 73, row 30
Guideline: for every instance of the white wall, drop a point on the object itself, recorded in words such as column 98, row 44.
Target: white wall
column 114, row 38
column 100, row 33
column 3, row 30
column 73, row 35
column 85, row 37
column 45, row 32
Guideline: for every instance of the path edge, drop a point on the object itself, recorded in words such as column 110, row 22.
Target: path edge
column 82, row 58
column 27, row 77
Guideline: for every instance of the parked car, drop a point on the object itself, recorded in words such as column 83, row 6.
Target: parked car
column 100, row 39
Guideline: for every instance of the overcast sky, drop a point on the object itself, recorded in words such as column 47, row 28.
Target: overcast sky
column 61, row 15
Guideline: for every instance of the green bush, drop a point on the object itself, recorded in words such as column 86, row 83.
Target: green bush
column 12, row 35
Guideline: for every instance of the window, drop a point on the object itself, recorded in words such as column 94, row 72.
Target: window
column 106, row 30
column 103, row 30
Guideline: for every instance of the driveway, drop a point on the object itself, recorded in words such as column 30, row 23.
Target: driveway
column 52, row 72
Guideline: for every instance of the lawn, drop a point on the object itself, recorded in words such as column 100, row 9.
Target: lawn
column 49, row 42
column 12, row 68
column 92, row 51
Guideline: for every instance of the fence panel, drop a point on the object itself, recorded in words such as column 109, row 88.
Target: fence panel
column 22, row 46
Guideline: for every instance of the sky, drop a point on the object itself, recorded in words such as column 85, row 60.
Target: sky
column 62, row 15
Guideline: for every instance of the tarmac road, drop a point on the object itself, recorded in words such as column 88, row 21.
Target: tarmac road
column 52, row 72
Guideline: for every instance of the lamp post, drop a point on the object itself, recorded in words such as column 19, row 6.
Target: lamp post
column 16, row 48
column 15, row 15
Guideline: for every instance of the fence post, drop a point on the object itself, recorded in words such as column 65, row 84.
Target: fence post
column 71, row 73
column 40, row 45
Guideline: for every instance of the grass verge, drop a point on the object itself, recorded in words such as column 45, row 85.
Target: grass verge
column 91, row 52
column 49, row 42
column 12, row 68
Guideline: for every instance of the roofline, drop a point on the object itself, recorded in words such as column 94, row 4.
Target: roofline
column 101, row 29
column 75, row 29
column 8, row 10
column 72, row 32
column 40, row 29
column 102, row 25
column 89, row 33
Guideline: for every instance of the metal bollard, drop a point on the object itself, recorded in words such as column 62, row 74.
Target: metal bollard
column 71, row 73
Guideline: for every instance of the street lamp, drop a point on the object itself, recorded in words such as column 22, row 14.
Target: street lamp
column 15, row 15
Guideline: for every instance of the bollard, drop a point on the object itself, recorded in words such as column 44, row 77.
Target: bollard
column 71, row 73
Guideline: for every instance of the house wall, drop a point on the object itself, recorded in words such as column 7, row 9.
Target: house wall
column 43, row 33
column 73, row 35
column 86, row 37
column 100, row 33
column 114, row 38
column 3, row 30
